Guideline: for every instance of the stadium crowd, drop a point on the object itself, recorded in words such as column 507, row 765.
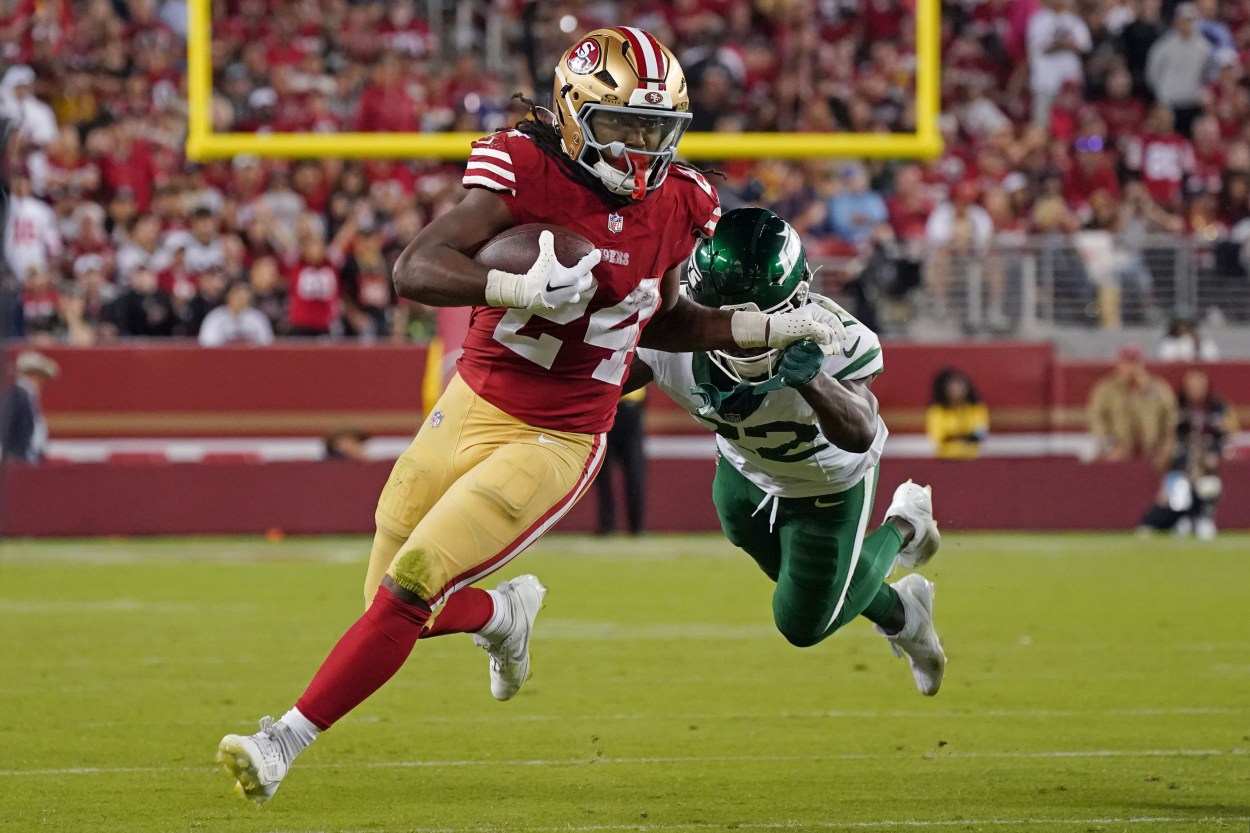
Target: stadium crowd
column 1098, row 122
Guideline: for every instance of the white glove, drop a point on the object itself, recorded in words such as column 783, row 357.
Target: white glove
column 781, row 329
column 547, row 285
column 831, row 313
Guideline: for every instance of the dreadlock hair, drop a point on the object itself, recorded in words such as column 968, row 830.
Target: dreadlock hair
column 548, row 140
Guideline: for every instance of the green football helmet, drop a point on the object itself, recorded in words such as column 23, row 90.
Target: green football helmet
column 754, row 261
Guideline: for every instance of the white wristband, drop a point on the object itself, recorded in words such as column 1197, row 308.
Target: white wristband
column 749, row 329
column 503, row 289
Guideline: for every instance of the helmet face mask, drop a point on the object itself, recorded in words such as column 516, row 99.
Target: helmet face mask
column 755, row 261
column 620, row 141
column 621, row 106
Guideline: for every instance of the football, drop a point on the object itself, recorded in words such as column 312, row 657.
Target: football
column 516, row 249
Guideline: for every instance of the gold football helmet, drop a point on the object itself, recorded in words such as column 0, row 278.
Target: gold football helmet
column 621, row 106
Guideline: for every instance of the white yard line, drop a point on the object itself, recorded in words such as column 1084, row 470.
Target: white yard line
column 754, row 717
column 682, row 759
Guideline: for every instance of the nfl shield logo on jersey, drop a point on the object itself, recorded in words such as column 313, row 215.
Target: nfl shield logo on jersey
column 436, row 418
column 616, row 223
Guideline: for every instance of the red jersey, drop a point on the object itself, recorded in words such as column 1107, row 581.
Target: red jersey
column 1163, row 163
column 314, row 293
column 564, row 369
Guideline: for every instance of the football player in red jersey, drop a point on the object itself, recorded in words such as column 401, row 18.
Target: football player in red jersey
column 518, row 436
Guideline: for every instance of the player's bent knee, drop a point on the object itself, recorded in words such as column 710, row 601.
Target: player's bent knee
column 419, row 570
column 799, row 631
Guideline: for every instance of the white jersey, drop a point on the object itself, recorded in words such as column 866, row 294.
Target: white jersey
column 32, row 238
column 774, row 441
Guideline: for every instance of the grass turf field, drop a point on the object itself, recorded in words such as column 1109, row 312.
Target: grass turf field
column 1096, row 683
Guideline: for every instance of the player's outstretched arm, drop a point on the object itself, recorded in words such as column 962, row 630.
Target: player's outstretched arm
column 687, row 327
column 436, row 270
column 682, row 326
column 845, row 411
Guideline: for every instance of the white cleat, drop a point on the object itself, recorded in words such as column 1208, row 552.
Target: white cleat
column 258, row 762
column 914, row 504
column 510, row 652
column 918, row 641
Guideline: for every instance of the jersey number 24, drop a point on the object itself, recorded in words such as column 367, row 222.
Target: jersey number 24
column 602, row 330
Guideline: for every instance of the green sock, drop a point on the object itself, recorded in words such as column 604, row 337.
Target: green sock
column 882, row 605
column 885, row 540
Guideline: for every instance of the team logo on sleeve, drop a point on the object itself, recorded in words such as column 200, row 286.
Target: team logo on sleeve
column 616, row 223
column 584, row 57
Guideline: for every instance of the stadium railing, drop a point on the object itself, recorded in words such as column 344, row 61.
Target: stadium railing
column 1033, row 287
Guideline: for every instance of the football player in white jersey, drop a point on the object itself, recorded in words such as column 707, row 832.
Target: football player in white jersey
column 799, row 440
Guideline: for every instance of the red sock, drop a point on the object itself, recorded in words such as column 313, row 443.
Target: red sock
column 465, row 611
column 367, row 656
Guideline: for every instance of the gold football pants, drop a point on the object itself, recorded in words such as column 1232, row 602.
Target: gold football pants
column 473, row 490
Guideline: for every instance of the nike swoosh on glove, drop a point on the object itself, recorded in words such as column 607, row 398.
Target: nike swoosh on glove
column 547, row 285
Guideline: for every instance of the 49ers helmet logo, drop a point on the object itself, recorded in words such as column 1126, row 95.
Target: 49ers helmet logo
column 653, row 97
column 584, row 57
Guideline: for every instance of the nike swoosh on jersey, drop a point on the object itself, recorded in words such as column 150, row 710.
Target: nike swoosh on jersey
column 851, row 350
column 820, row 505
column 545, row 440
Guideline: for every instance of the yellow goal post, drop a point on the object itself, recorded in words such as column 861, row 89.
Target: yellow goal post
column 204, row 144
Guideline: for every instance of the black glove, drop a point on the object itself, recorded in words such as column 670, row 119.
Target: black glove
column 800, row 363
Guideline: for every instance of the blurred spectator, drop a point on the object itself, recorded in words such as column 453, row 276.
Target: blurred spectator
column 1119, row 109
column 84, row 303
column 18, row 102
column 1215, row 30
column 1136, row 39
column 143, row 309
column 127, row 166
column 1183, row 342
column 315, row 288
column 856, row 212
column 624, row 451
column 40, row 306
column 1176, row 67
column 347, row 444
column 202, row 245
column 1192, row 486
column 385, row 105
column 1113, row 260
column 143, row 248
column 1057, row 38
column 957, row 233
column 23, row 430
column 956, row 421
column 237, row 321
column 1131, row 412
column 63, row 171
column 1161, row 157
column 268, row 293
column 32, row 240
column 210, row 291
column 367, row 292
